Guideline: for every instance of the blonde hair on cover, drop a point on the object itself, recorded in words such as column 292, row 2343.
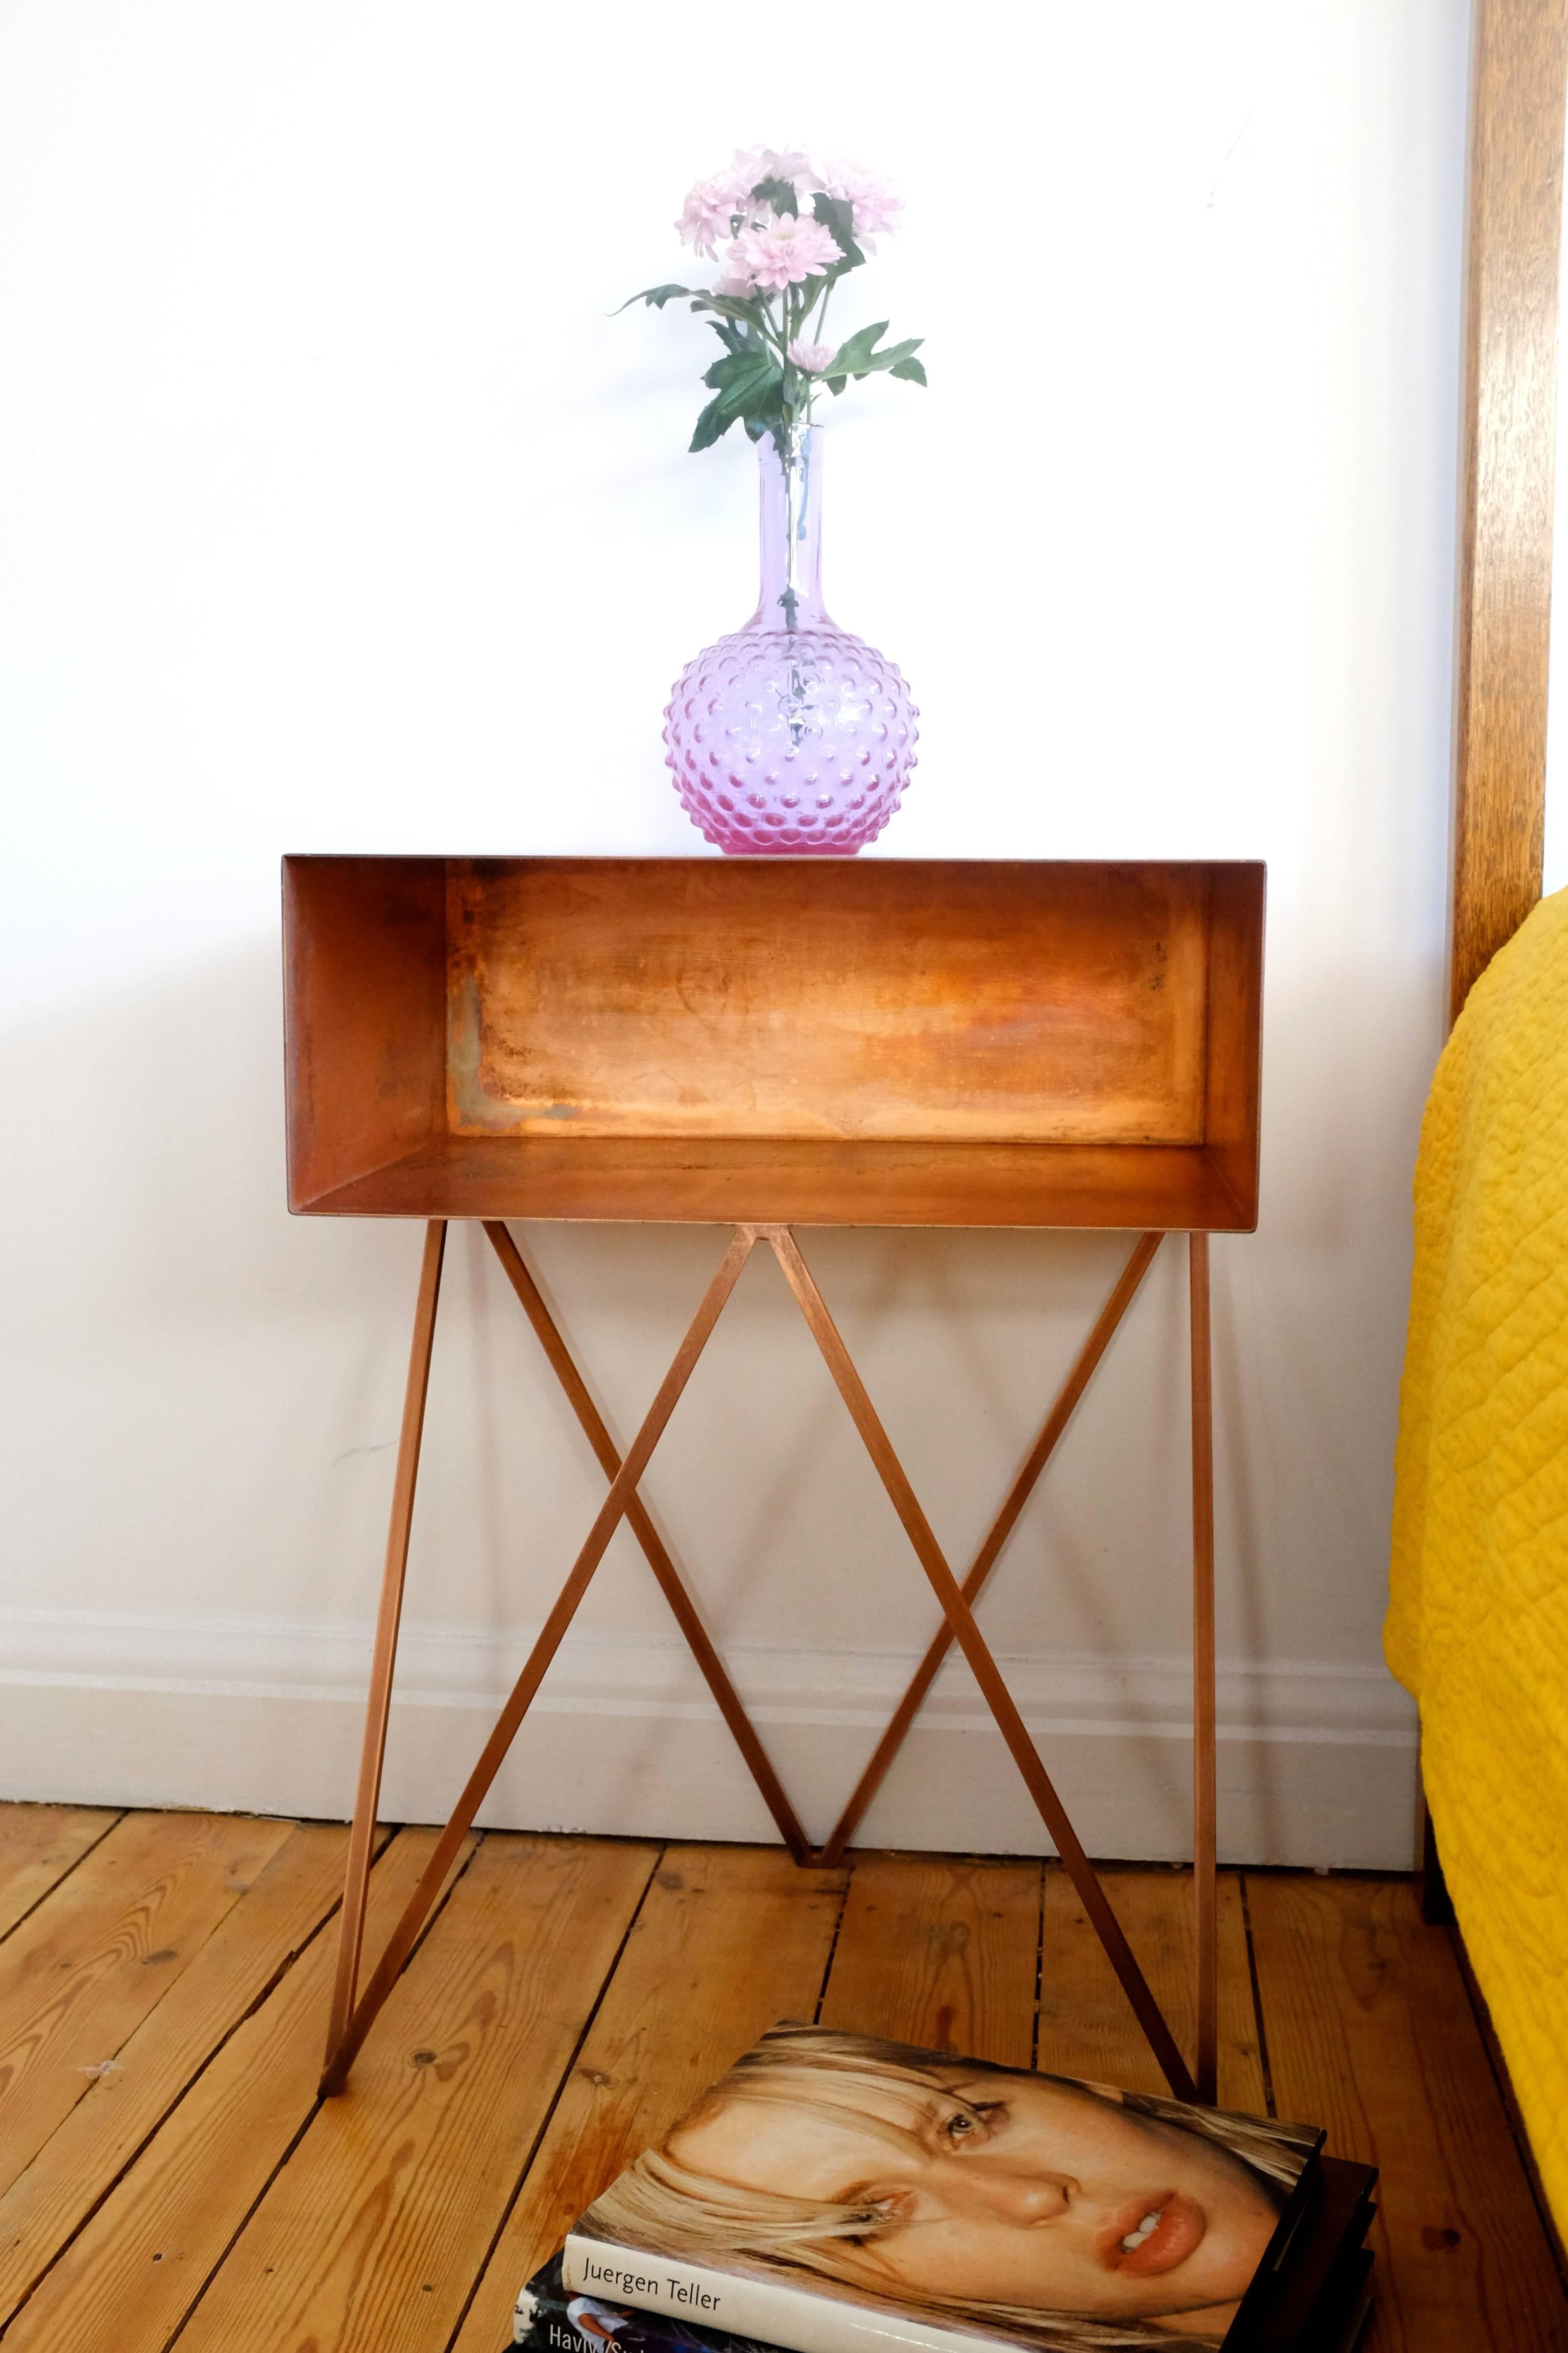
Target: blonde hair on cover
column 663, row 2208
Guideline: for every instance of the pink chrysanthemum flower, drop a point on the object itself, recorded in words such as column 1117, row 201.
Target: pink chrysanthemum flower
column 812, row 359
column 785, row 251
column 754, row 163
column 708, row 216
column 738, row 283
column 873, row 204
column 713, row 205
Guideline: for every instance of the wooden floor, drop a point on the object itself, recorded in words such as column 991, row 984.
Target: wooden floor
column 166, row 2172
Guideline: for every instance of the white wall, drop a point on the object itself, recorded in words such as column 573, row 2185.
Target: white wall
column 337, row 512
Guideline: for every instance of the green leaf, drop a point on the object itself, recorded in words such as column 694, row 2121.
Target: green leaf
column 858, row 357
column 738, row 370
column 780, row 194
column 733, row 339
column 838, row 215
column 731, row 306
column 769, row 400
column 748, row 385
column 655, row 297
column 854, row 356
column 712, row 425
column 892, row 355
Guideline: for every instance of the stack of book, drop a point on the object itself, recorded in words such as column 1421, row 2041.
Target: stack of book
column 837, row 2193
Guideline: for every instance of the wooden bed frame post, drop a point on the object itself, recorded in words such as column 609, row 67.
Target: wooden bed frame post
column 1519, row 89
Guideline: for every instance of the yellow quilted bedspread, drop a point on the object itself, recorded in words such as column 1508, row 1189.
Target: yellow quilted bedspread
column 1478, row 1623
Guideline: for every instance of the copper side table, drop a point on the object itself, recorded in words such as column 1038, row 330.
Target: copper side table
column 768, row 1045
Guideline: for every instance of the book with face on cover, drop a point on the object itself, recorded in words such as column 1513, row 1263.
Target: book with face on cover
column 835, row 2192
column 1317, row 2299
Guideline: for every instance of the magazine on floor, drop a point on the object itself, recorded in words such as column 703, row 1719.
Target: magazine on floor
column 835, row 2192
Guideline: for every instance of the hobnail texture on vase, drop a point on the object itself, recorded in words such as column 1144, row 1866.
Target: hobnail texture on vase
column 790, row 736
column 790, row 741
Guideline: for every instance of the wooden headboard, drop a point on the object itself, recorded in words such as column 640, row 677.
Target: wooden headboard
column 1519, row 94
column 1513, row 233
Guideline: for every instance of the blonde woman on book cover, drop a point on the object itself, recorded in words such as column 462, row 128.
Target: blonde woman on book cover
column 1026, row 2207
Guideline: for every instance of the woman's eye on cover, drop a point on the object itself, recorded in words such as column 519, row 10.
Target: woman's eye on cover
column 881, row 2208
column 972, row 2122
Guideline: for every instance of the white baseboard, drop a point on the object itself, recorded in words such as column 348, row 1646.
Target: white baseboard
column 1316, row 1760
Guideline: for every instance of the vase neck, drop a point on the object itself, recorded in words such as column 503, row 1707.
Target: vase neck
column 791, row 531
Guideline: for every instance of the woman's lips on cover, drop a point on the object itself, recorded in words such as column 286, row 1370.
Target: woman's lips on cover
column 1165, row 2229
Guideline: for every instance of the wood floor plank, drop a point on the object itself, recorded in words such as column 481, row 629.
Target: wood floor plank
column 83, row 1972
column 147, row 2251
column 371, row 2237
column 728, row 1940
column 1370, row 2033
column 291, row 1897
column 1086, row 2025
column 940, row 1950
column 38, row 1844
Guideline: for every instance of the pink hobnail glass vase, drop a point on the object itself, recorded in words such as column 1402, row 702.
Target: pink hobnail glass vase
column 790, row 737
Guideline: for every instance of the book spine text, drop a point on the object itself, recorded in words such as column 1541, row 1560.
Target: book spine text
column 768, row 2310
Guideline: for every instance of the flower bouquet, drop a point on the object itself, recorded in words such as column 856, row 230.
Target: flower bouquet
column 790, row 735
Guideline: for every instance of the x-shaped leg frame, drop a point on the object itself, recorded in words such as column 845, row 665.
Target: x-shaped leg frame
column 353, row 2013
